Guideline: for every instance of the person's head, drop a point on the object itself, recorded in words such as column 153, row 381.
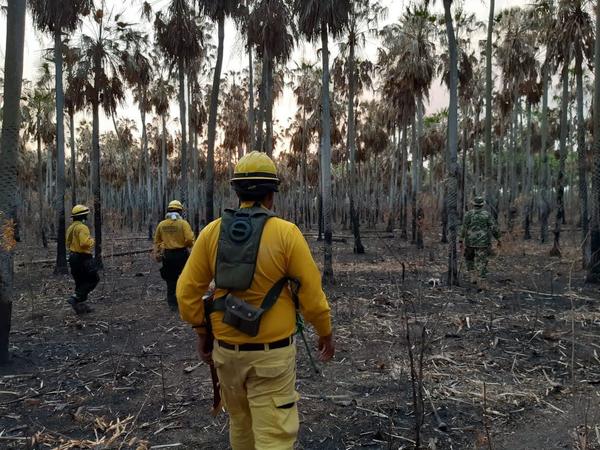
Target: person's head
column 80, row 212
column 478, row 202
column 175, row 206
column 255, row 179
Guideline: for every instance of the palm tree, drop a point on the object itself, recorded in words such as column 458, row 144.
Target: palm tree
column 97, row 76
column 42, row 128
column 452, row 148
column 56, row 16
column 577, row 27
column 415, row 62
column 533, row 94
column 137, row 71
column 363, row 19
column 489, row 186
column 516, row 54
column 9, row 144
column 593, row 274
column 452, row 175
column 234, row 121
column 305, row 79
column 74, row 101
column 322, row 18
column 402, row 103
column 161, row 94
column 573, row 37
column 544, row 19
column 180, row 38
column 217, row 10
column 270, row 30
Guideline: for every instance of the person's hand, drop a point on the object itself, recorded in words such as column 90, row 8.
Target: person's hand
column 326, row 348
column 201, row 344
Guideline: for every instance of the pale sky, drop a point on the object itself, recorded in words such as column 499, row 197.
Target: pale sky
column 235, row 57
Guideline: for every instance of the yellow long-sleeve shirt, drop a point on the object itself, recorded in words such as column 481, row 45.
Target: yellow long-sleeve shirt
column 173, row 234
column 283, row 252
column 79, row 239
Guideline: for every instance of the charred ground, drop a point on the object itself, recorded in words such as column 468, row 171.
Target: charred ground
column 127, row 375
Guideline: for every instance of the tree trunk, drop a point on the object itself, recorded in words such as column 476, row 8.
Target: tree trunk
column 61, row 251
column 452, row 167
column 417, row 162
column 393, row 180
column 358, row 246
column 463, row 192
column 125, row 152
column 9, row 151
column 581, row 154
column 212, row 125
column 268, row 62
column 304, row 155
column 146, row 157
column 413, row 163
column 404, row 187
column 73, row 158
column 326, row 161
column 528, row 179
column 250, row 98
column 164, row 167
column 560, row 179
column 49, row 172
column 489, row 179
column 183, row 182
column 95, row 163
column 260, row 134
column 544, row 200
column 593, row 274
column 40, row 180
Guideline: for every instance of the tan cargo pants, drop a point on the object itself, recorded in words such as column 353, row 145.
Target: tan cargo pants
column 259, row 393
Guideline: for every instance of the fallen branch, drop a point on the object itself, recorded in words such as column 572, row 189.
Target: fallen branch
column 178, row 444
column 112, row 255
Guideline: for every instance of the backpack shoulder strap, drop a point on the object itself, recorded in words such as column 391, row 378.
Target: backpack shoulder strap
column 269, row 300
column 275, row 292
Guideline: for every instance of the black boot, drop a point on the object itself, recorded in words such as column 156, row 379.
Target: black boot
column 85, row 308
column 74, row 302
column 172, row 301
column 79, row 306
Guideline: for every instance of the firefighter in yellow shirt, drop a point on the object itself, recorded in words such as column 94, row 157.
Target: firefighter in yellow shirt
column 252, row 255
column 83, row 268
column 172, row 239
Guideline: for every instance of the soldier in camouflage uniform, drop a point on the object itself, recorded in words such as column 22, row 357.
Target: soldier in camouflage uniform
column 477, row 231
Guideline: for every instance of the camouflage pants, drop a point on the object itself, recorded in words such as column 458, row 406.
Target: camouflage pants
column 476, row 258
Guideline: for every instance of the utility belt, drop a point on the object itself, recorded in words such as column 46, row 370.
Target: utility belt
column 243, row 316
column 282, row 343
column 174, row 251
column 78, row 256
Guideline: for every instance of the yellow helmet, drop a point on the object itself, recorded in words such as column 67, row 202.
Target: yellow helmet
column 79, row 210
column 255, row 166
column 176, row 205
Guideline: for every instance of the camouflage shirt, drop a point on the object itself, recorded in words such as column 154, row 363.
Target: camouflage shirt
column 478, row 228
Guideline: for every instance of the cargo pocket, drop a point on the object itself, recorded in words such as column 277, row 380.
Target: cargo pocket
column 286, row 401
column 270, row 371
column 217, row 358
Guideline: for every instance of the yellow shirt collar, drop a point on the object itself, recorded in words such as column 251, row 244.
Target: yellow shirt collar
column 250, row 204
